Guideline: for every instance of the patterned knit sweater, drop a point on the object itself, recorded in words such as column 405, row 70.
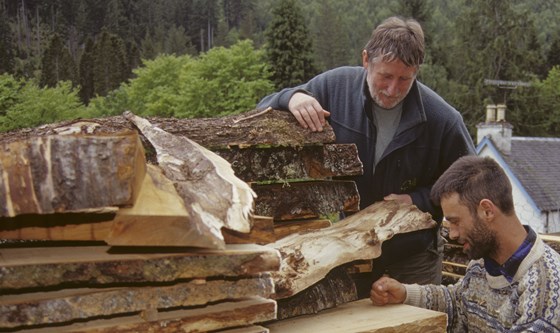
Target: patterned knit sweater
column 483, row 303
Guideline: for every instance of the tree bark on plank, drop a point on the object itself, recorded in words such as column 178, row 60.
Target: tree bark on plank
column 67, row 305
column 210, row 318
column 306, row 200
column 255, row 164
column 274, row 128
column 308, row 257
column 69, row 173
column 33, row 268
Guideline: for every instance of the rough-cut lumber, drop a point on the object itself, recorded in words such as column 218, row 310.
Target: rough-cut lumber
column 73, row 304
column 99, row 265
column 65, row 173
column 335, row 289
column 58, row 226
column 454, row 268
column 304, row 163
column 157, row 218
column 306, row 200
column 552, row 240
column 262, row 232
column 361, row 317
column 213, row 195
column 275, row 127
column 213, row 317
column 247, row 329
column 307, row 258
column 284, row 229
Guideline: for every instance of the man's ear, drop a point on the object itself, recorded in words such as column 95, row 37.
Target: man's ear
column 487, row 209
column 365, row 59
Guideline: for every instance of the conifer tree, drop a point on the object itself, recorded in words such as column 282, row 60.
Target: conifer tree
column 289, row 47
column 6, row 51
column 110, row 67
column 57, row 64
column 86, row 72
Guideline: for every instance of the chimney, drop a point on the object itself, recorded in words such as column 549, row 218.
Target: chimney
column 496, row 128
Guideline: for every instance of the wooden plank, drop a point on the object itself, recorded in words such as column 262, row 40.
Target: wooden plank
column 247, row 329
column 306, row 200
column 67, row 305
column 454, row 268
column 284, row 229
column 278, row 128
column 101, row 265
column 335, row 289
column 450, row 278
column 213, row 317
column 262, row 232
column 552, row 240
column 361, row 316
column 287, row 162
column 58, row 226
column 213, row 196
column 69, row 173
column 307, row 258
column 158, row 218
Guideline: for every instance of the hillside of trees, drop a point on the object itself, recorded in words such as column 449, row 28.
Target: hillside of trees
column 63, row 59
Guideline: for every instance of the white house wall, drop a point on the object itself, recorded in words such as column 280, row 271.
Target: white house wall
column 527, row 212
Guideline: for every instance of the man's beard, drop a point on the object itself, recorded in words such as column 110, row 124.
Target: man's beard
column 482, row 241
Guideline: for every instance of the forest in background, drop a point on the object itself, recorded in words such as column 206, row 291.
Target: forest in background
column 63, row 59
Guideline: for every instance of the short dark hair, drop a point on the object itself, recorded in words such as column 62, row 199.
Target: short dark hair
column 397, row 38
column 475, row 178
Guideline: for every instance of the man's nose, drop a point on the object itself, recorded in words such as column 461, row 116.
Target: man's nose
column 453, row 234
column 393, row 88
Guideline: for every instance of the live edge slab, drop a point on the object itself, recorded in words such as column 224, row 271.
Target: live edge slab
column 361, row 316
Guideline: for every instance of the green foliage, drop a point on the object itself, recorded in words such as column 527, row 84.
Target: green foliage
column 222, row 81
column 494, row 40
column 25, row 104
column 289, row 47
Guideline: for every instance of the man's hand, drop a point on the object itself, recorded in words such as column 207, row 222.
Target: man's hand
column 387, row 291
column 308, row 112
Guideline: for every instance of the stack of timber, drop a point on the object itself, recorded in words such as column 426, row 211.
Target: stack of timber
column 94, row 239
column 455, row 261
column 171, row 232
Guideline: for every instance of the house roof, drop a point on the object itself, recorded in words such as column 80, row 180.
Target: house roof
column 535, row 162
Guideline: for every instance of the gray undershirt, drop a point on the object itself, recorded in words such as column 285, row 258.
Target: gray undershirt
column 386, row 121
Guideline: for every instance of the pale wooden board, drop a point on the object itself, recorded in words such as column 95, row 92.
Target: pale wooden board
column 65, row 305
column 308, row 257
column 40, row 267
column 361, row 316
column 246, row 329
column 213, row 317
column 284, row 229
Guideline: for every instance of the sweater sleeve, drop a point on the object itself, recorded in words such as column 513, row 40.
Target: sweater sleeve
column 438, row 298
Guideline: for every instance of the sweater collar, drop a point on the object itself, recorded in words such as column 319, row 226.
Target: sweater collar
column 509, row 268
